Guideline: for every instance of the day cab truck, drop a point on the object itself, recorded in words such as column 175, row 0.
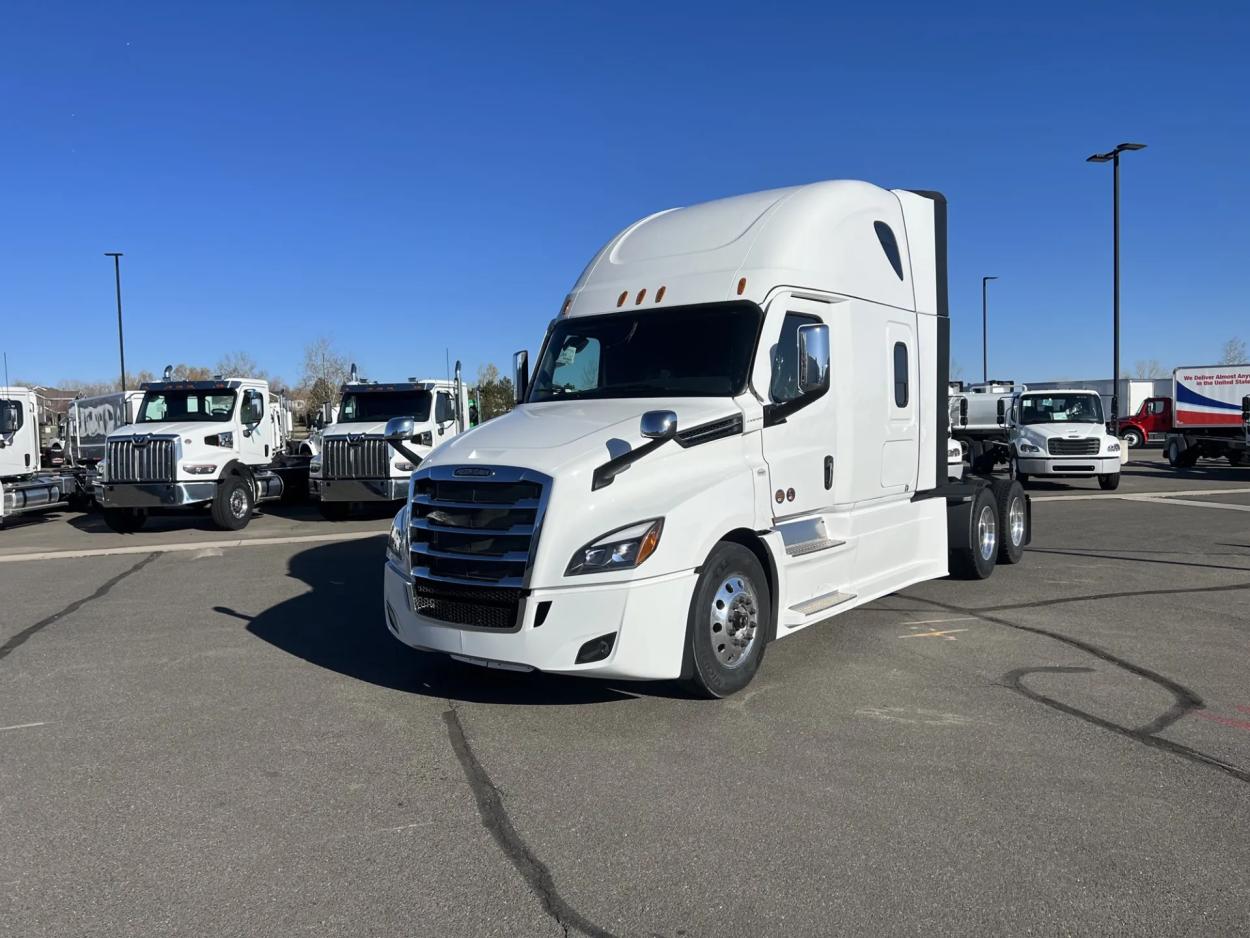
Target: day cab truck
column 28, row 481
column 218, row 444
column 355, row 464
column 1207, row 416
column 737, row 427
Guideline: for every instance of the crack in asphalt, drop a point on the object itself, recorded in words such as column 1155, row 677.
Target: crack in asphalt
column 496, row 820
column 1184, row 700
column 23, row 636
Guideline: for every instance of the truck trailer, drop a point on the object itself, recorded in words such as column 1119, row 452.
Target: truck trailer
column 1207, row 416
column 355, row 464
column 737, row 427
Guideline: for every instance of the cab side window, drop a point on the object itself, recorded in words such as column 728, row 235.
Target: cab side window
column 784, row 385
column 443, row 411
column 14, row 408
column 253, row 399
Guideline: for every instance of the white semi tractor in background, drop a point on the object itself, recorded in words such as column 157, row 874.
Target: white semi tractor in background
column 28, row 480
column 355, row 465
column 223, row 444
column 737, row 427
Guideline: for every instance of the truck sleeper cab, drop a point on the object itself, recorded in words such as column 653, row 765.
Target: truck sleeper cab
column 193, row 444
column 737, row 427
column 354, row 464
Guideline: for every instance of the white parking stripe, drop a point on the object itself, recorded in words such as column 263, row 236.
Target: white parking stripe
column 1173, row 494
column 194, row 545
column 1187, row 501
column 21, row 726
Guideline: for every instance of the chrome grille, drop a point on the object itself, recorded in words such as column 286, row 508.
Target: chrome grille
column 363, row 457
column 1087, row 446
column 142, row 460
column 472, row 540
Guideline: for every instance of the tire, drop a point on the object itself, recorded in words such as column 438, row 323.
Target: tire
column 334, row 511
column 729, row 622
column 233, row 503
column 125, row 520
column 1015, row 472
column 973, row 536
column 1013, row 515
column 1109, row 482
column 1174, row 454
column 1132, row 438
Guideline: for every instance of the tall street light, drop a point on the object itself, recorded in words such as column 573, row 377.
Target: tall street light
column 117, row 276
column 1113, row 157
column 985, row 354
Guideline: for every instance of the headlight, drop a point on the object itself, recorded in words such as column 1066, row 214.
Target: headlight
column 405, row 467
column 199, row 470
column 1029, row 448
column 1113, row 447
column 397, row 542
column 622, row 549
column 314, row 467
column 102, row 470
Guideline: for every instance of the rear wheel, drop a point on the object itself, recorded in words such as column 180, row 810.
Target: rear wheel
column 1013, row 515
column 334, row 511
column 973, row 536
column 1132, row 438
column 125, row 520
column 728, row 622
column 1109, row 481
column 233, row 503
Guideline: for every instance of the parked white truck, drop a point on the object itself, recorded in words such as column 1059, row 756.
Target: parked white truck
column 737, row 427
column 27, row 482
column 218, row 443
column 355, row 465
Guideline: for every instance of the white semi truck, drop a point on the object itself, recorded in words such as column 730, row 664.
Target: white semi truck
column 219, row 443
column 737, row 427
column 27, row 481
column 355, row 465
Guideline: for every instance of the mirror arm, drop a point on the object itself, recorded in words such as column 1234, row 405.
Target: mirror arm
column 604, row 474
column 777, row 413
column 403, row 450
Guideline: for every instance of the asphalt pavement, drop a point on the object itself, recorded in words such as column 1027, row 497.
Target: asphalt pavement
column 204, row 733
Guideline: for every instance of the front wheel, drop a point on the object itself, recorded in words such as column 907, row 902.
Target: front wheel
column 233, row 503
column 1015, row 472
column 728, row 622
column 1109, row 482
column 1132, row 438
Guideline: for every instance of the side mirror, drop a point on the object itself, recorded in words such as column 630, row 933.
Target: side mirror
column 658, row 425
column 1002, row 412
column 8, row 417
column 813, row 358
column 963, row 411
column 400, row 429
column 327, row 413
column 254, row 412
column 521, row 375
column 1245, row 409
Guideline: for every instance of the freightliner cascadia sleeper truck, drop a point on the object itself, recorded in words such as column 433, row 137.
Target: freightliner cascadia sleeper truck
column 737, row 427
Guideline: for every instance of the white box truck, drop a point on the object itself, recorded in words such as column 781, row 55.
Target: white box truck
column 355, row 465
column 1210, row 414
column 737, row 427
column 218, row 443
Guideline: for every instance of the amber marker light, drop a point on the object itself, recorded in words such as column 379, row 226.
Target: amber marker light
column 742, row 286
column 649, row 543
column 659, row 294
column 620, row 300
column 642, row 295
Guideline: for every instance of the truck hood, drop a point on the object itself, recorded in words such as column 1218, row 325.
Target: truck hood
column 376, row 428
column 552, row 435
column 193, row 429
column 1064, row 430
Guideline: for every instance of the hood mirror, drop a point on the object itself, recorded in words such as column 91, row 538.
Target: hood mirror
column 1002, row 412
column 520, row 375
column 813, row 358
column 658, row 425
column 963, row 411
column 400, row 429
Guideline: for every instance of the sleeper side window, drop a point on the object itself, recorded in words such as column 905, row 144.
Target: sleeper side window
column 785, row 380
column 901, row 390
column 889, row 244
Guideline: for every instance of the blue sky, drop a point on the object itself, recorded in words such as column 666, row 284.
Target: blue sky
column 405, row 178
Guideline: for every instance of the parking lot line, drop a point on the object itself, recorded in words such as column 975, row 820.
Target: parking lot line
column 1176, row 493
column 186, row 546
column 1228, row 506
column 21, row 726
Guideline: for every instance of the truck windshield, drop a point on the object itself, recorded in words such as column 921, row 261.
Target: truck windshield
column 372, row 406
column 691, row 351
column 201, row 406
column 1064, row 408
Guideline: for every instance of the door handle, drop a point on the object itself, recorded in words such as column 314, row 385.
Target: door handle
column 828, row 472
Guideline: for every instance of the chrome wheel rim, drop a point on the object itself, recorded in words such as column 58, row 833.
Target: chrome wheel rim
column 733, row 621
column 1015, row 521
column 238, row 502
column 987, row 532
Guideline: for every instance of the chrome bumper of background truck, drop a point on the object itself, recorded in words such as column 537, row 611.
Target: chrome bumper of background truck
column 358, row 490
column 154, row 494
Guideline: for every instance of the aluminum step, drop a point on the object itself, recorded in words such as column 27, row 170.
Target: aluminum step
column 810, row 547
column 821, row 603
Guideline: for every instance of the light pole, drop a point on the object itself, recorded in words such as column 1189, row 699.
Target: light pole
column 117, row 276
column 1113, row 157
column 985, row 344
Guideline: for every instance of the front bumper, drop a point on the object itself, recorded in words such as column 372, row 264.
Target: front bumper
column 648, row 617
column 154, row 494
column 1069, row 465
column 358, row 490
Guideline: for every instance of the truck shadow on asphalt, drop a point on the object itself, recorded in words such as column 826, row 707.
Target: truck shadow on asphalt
column 338, row 625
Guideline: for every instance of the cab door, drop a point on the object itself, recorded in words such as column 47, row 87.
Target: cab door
column 256, row 444
column 798, row 447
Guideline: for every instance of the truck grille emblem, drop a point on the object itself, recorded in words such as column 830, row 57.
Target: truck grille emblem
column 473, row 471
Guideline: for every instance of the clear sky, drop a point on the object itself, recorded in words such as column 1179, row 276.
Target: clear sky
column 407, row 178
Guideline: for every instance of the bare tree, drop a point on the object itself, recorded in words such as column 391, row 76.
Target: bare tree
column 239, row 365
column 325, row 368
column 1234, row 352
column 1149, row 368
column 494, row 392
